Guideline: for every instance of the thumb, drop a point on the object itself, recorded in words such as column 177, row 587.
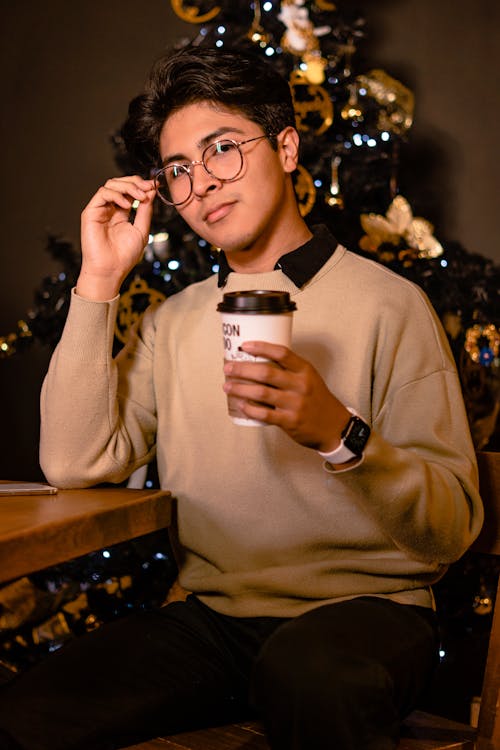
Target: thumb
column 143, row 214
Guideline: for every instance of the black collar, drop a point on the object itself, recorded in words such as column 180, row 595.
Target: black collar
column 301, row 264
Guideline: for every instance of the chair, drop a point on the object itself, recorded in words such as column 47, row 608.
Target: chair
column 420, row 731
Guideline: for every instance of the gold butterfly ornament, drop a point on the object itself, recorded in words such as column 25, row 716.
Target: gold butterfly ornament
column 398, row 227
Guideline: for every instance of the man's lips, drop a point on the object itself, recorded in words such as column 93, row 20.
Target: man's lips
column 217, row 212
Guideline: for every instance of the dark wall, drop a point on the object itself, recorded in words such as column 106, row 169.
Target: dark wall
column 70, row 69
column 447, row 52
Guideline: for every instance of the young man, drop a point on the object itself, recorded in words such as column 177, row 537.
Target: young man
column 310, row 542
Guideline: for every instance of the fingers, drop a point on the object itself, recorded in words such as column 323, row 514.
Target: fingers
column 282, row 355
column 113, row 239
column 288, row 392
column 143, row 215
column 269, row 373
column 258, row 392
column 279, row 417
column 283, row 369
column 123, row 191
column 261, row 401
column 270, row 384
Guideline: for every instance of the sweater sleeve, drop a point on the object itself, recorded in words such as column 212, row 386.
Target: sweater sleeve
column 98, row 420
column 424, row 496
column 418, row 478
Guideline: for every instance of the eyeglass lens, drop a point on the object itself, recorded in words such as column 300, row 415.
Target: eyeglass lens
column 222, row 159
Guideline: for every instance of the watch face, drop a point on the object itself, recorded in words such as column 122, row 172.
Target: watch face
column 355, row 435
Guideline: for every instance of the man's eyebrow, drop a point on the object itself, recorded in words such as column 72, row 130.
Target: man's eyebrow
column 202, row 144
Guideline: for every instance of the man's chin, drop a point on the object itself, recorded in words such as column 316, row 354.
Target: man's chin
column 232, row 246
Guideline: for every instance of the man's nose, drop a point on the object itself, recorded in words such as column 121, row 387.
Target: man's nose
column 203, row 180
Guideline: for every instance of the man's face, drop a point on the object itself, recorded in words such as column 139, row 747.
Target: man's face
column 243, row 215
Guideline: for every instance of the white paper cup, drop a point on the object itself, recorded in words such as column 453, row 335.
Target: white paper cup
column 256, row 315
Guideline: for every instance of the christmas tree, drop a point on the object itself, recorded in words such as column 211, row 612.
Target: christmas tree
column 355, row 122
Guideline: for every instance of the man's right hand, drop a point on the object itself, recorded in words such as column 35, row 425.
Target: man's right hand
column 111, row 244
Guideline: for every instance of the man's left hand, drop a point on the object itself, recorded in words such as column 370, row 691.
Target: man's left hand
column 286, row 391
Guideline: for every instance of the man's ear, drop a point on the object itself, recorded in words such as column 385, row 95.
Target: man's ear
column 288, row 148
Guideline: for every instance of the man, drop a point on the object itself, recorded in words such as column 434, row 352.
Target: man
column 310, row 542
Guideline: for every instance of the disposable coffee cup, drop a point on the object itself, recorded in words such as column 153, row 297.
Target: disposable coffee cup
column 255, row 315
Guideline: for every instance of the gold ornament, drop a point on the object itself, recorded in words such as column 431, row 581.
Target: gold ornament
column 334, row 197
column 55, row 628
column 128, row 314
column 301, row 36
column 490, row 334
column 396, row 101
column 313, row 107
column 325, row 5
column 452, row 324
column 481, row 393
column 299, row 44
column 351, row 110
column 190, row 13
column 397, row 225
column 256, row 33
column 313, row 67
column 482, row 604
column 8, row 343
column 304, row 189
column 301, row 39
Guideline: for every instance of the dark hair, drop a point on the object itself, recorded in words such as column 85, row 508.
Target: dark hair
column 235, row 79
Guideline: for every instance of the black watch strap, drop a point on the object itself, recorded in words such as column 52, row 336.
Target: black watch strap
column 355, row 435
column 353, row 440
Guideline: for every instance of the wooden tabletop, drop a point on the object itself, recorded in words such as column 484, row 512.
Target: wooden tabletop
column 37, row 531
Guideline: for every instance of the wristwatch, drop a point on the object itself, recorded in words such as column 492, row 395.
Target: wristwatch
column 352, row 441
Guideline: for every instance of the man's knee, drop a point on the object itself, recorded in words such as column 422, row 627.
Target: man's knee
column 290, row 663
column 309, row 691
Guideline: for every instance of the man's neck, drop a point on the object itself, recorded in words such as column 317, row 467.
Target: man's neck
column 299, row 264
column 263, row 256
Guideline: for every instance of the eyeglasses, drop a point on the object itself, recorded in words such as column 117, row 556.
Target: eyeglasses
column 222, row 159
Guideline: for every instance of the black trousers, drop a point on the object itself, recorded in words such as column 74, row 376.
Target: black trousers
column 339, row 677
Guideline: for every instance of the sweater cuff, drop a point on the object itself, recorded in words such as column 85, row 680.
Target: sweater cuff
column 342, row 468
column 82, row 336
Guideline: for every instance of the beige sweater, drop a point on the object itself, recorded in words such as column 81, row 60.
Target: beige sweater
column 263, row 528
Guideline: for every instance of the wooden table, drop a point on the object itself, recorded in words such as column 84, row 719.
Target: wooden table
column 37, row 531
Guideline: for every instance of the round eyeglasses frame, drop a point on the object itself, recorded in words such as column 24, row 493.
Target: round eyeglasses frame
column 188, row 168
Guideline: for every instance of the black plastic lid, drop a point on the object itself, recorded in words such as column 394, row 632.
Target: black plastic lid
column 257, row 301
